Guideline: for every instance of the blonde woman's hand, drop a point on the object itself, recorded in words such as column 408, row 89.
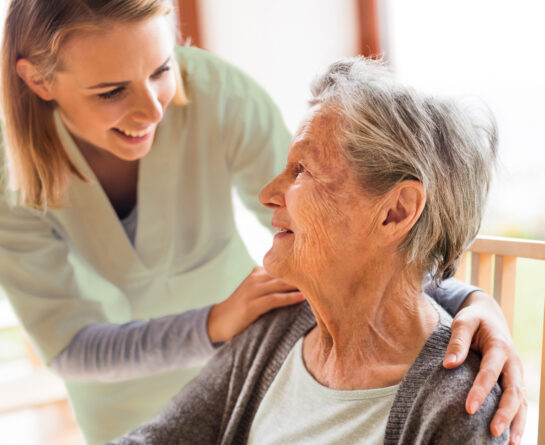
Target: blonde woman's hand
column 257, row 294
column 480, row 324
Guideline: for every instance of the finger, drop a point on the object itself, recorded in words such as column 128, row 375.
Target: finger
column 259, row 274
column 519, row 422
column 275, row 285
column 489, row 372
column 276, row 300
column 460, row 341
column 510, row 402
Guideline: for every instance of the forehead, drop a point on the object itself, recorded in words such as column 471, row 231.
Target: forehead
column 319, row 145
column 122, row 53
column 317, row 137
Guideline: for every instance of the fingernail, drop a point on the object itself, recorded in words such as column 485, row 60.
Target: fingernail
column 515, row 439
column 474, row 406
column 449, row 359
column 499, row 428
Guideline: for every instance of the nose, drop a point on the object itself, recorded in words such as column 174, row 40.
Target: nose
column 147, row 107
column 272, row 195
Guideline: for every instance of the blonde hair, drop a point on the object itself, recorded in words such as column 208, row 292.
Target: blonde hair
column 38, row 166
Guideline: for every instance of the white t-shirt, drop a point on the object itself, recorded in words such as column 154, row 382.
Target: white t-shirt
column 298, row 410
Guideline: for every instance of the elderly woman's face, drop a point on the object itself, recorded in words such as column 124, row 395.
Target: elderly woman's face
column 323, row 216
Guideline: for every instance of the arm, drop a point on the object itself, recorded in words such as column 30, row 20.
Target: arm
column 451, row 294
column 73, row 334
column 110, row 352
column 479, row 323
column 40, row 284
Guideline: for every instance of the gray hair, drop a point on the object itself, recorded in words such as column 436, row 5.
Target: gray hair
column 391, row 133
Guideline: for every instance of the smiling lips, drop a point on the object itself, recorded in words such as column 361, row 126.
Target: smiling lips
column 135, row 134
column 282, row 228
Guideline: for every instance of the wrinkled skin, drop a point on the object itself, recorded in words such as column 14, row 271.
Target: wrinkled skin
column 329, row 214
column 315, row 245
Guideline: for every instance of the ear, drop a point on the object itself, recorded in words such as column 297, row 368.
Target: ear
column 34, row 80
column 401, row 210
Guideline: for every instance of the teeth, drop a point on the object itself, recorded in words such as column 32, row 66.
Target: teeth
column 135, row 134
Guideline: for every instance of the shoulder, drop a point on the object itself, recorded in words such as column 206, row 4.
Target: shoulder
column 279, row 327
column 202, row 69
column 430, row 404
column 204, row 406
column 441, row 402
column 222, row 95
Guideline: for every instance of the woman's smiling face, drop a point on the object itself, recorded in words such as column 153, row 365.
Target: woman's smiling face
column 323, row 214
column 113, row 87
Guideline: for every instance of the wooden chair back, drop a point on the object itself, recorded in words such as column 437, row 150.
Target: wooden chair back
column 491, row 264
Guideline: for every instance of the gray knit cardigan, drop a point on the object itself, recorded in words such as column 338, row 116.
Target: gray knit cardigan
column 219, row 405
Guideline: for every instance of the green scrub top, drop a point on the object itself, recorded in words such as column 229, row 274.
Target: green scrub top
column 63, row 269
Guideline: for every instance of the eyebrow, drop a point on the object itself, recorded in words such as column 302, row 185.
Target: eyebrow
column 123, row 82
column 307, row 151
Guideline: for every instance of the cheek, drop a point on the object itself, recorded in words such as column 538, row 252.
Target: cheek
column 166, row 91
column 318, row 224
column 107, row 115
column 90, row 115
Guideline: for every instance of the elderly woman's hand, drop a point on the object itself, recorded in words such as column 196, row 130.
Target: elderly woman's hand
column 481, row 325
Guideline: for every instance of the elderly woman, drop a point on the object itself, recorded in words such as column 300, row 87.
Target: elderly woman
column 383, row 186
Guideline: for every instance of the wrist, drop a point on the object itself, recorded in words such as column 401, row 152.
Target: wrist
column 211, row 324
column 477, row 296
column 483, row 302
column 214, row 324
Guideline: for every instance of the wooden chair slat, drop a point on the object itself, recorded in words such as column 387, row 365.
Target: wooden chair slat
column 506, row 268
column 461, row 272
column 485, row 272
column 500, row 283
column 541, row 420
column 474, row 273
column 520, row 248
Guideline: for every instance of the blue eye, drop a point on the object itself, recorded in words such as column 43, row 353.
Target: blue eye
column 111, row 94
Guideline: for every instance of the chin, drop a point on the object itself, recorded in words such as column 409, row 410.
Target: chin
column 275, row 266
column 132, row 154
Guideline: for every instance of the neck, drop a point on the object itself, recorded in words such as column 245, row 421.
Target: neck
column 117, row 177
column 368, row 332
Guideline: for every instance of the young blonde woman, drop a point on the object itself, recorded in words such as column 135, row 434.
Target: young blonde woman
column 118, row 248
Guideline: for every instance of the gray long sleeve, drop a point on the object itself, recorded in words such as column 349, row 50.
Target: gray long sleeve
column 450, row 294
column 112, row 352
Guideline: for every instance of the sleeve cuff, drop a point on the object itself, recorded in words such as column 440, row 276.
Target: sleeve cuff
column 450, row 294
column 208, row 348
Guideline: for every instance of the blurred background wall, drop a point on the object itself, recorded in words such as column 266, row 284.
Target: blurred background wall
column 490, row 49
column 486, row 48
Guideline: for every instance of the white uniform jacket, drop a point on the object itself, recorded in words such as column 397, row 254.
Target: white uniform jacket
column 63, row 269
